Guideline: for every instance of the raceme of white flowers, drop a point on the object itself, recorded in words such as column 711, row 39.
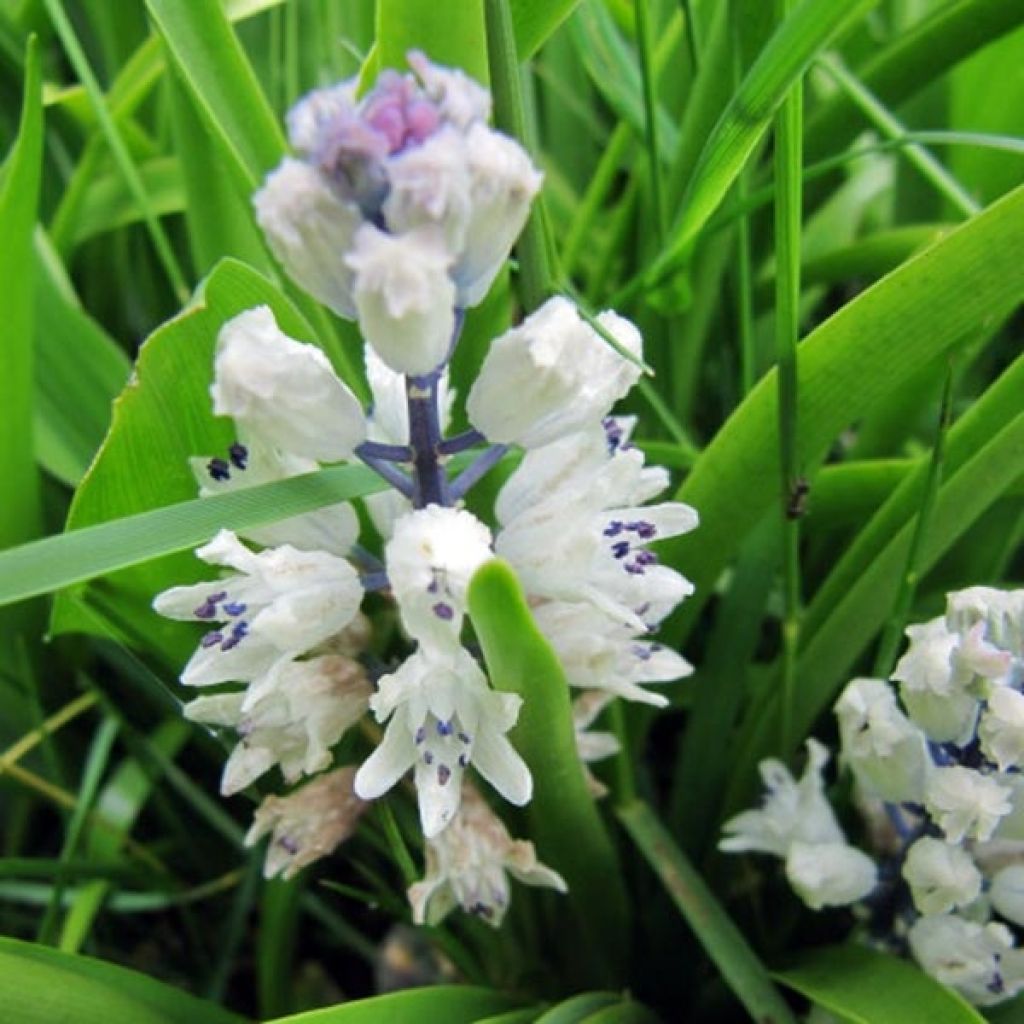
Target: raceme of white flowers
column 398, row 210
column 937, row 758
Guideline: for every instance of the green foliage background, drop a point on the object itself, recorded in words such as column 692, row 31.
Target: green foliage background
column 814, row 212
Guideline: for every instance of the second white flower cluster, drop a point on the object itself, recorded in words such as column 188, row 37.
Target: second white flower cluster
column 937, row 762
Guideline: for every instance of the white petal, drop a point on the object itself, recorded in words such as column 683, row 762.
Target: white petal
column 282, row 391
column 551, row 376
column 497, row 761
column 393, row 757
column 404, row 297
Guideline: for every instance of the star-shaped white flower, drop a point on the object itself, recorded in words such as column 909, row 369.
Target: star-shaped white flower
column 278, row 604
column 442, row 716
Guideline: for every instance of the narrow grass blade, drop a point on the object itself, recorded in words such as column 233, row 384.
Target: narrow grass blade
column 453, row 1004
column 457, row 39
column 721, row 939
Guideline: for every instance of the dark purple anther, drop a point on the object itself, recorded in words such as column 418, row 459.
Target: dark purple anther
column 614, row 528
column 444, row 728
column 620, row 548
column 444, row 773
column 218, row 470
column 464, row 737
column 633, row 569
column 238, row 633
column 234, row 608
column 239, row 455
column 205, row 611
column 432, row 587
column 443, row 611
column 421, row 735
column 428, row 757
column 463, row 761
column 645, row 531
column 211, row 639
column 642, row 558
column 288, row 845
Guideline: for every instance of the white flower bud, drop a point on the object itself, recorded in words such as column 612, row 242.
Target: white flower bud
column 1002, row 727
column 965, row 803
column 941, row 876
column 430, row 559
column 503, row 183
column 307, row 824
column 404, row 296
column 979, row 961
column 886, row 752
column 829, row 874
column 551, row 376
column 933, row 692
column 1007, row 893
column 309, row 229
column 282, row 392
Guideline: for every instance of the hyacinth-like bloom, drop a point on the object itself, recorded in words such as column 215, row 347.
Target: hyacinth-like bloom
column 278, row 604
column 468, row 866
column 402, row 206
column 398, row 209
column 443, row 716
column 939, row 779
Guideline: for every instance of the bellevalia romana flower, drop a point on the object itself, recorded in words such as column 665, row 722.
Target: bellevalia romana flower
column 398, row 209
column 939, row 780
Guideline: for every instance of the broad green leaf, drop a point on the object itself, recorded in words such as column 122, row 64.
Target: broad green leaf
column 79, row 371
column 164, row 417
column 213, row 69
column 863, row 986
column 457, row 39
column 19, row 197
column 578, row 1008
column 39, row 985
column 783, row 60
column 536, row 20
column 722, row 940
column 565, row 825
column 453, row 1004
column 925, row 308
